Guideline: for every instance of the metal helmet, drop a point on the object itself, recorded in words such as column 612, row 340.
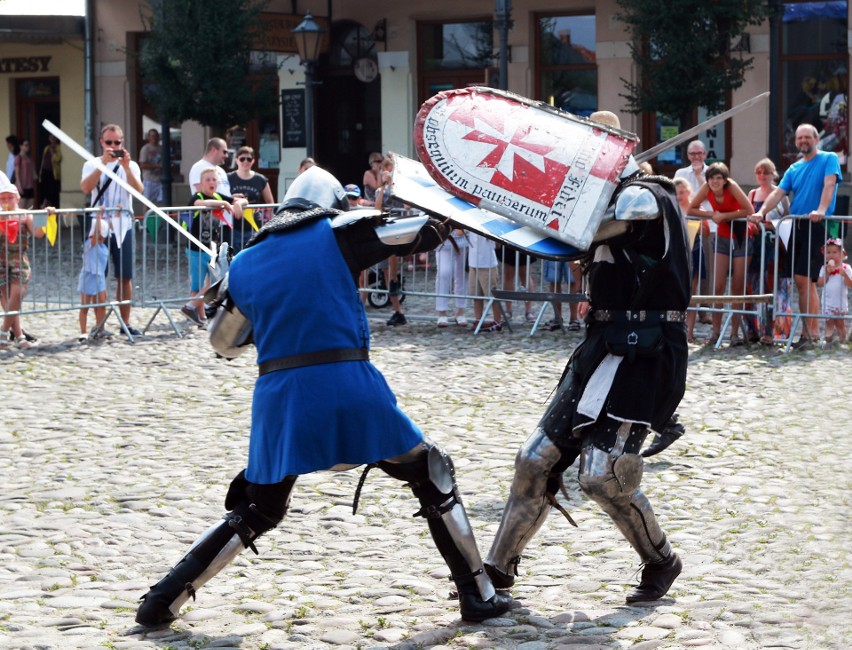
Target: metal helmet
column 314, row 188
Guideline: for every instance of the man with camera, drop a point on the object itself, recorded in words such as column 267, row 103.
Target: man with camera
column 104, row 192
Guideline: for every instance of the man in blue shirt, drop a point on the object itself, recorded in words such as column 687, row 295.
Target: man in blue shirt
column 813, row 181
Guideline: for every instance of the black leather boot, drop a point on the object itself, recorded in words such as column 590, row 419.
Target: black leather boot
column 212, row 552
column 473, row 608
column 666, row 438
column 154, row 611
column 502, row 580
column 656, row 580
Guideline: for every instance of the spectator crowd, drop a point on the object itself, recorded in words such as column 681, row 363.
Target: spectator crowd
column 741, row 245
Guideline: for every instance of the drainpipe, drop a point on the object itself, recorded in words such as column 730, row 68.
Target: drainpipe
column 89, row 76
column 775, row 102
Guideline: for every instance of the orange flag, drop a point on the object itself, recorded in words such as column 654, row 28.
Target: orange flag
column 224, row 215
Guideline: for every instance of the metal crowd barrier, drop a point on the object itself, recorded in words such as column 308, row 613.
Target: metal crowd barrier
column 787, row 301
column 735, row 303
column 162, row 278
column 54, row 260
column 165, row 277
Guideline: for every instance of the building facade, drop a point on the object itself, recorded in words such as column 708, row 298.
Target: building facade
column 379, row 61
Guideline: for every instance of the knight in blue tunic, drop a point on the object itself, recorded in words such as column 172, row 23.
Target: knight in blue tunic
column 319, row 403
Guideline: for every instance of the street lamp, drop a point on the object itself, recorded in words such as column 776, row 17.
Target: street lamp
column 308, row 35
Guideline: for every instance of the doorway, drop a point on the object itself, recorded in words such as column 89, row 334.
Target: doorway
column 37, row 100
column 348, row 125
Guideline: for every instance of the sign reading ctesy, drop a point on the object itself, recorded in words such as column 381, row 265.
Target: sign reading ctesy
column 526, row 160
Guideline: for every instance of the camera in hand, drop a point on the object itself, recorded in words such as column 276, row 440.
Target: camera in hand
column 117, row 153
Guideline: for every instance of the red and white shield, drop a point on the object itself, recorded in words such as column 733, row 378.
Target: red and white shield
column 525, row 160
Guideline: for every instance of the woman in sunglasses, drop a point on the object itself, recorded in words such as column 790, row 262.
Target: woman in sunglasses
column 373, row 178
column 253, row 186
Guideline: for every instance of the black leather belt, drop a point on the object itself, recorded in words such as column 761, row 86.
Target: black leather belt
column 313, row 359
column 637, row 316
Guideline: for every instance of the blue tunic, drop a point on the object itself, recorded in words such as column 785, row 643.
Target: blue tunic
column 297, row 291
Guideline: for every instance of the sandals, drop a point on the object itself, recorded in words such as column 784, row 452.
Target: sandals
column 737, row 341
column 530, row 317
column 491, row 326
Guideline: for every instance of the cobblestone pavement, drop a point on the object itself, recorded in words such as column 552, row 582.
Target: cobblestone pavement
column 114, row 457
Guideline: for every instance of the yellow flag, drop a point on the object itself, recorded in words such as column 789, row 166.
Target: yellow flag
column 248, row 215
column 51, row 229
column 692, row 228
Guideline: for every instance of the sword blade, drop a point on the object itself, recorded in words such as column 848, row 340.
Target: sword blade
column 656, row 150
column 81, row 151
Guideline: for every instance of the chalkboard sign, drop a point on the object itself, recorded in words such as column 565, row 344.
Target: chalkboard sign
column 293, row 117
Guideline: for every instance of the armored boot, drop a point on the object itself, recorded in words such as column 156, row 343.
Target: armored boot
column 530, row 499
column 454, row 538
column 611, row 479
column 211, row 553
column 431, row 476
column 253, row 510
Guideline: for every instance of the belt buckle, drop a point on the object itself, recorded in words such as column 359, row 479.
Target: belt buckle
column 632, row 338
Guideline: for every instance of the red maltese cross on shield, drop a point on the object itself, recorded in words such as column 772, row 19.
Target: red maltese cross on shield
column 546, row 169
column 512, row 159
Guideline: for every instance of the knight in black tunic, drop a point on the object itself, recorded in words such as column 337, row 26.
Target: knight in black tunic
column 625, row 378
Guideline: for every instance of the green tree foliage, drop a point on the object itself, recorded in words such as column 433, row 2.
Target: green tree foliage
column 683, row 52
column 195, row 61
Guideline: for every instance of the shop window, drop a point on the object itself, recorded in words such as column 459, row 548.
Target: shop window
column 350, row 42
column 453, row 55
column 566, row 62
column 814, row 75
column 456, row 46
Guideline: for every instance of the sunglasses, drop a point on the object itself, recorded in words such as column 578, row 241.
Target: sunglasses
column 245, row 159
column 112, row 143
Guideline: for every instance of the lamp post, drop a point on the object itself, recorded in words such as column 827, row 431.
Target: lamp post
column 308, row 35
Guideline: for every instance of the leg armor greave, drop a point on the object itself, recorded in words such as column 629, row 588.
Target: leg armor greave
column 430, row 473
column 611, row 478
column 258, row 508
column 534, row 486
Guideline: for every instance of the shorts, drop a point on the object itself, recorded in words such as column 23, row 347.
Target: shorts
column 557, row 271
column 803, row 253
column 153, row 190
column 733, row 248
column 481, row 282
column 17, row 271
column 198, row 270
column 512, row 257
column 91, row 284
column 122, row 256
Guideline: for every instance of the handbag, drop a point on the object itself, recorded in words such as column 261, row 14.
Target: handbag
column 632, row 340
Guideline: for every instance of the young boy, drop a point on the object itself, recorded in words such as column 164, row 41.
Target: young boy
column 92, row 282
column 482, row 280
column 836, row 276
column 206, row 230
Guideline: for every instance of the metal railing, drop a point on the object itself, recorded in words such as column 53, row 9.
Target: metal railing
column 762, row 295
